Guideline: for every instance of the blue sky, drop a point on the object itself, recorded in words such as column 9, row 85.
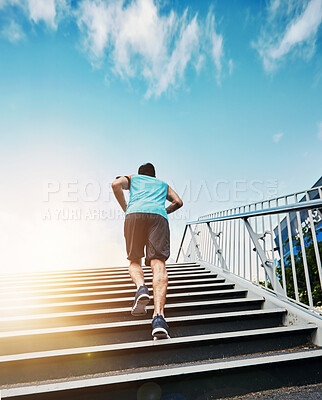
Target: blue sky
column 211, row 92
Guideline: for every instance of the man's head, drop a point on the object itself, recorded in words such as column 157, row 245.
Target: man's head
column 147, row 169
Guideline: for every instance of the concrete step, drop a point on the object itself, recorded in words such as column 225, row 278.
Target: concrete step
column 202, row 381
column 104, row 315
column 55, row 338
column 22, row 280
column 88, row 289
column 25, row 309
column 115, row 280
column 71, row 362
column 85, row 271
column 105, row 294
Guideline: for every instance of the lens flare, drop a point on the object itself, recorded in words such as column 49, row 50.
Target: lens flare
column 149, row 391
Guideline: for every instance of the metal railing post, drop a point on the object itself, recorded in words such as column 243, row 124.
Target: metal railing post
column 181, row 244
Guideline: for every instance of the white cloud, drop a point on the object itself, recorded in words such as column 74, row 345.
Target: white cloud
column 97, row 21
column 300, row 30
column 217, row 47
column 291, row 28
column 320, row 130
column 277, row 137
column 48, row 11
column 273, row 7
column 186, row 46
column 139, row 41
column 136, row 38
column 43, row 10
column 13, row 32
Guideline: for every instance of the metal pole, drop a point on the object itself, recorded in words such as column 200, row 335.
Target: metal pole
column 306, row 268
column 315, row 244
column 181, row 244
column 244, row 237
column 257, row 265
column 290, row 241
column 281, row 252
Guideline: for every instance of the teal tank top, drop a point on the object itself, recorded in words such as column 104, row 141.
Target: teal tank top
column 147, row 195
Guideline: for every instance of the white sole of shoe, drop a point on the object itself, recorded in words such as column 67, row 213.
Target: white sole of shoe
column 139, row 308
column 160, row 333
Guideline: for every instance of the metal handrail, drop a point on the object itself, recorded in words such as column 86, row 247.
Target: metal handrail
column 305, row 205
column 242, row 242
column 305, row 193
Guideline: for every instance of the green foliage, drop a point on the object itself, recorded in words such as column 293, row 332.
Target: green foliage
column 299, row 266
column 269, row 285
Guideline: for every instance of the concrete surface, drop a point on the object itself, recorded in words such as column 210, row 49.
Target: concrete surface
column 310, row 392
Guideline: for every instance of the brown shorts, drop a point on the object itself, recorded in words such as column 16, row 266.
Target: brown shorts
column 149, row 231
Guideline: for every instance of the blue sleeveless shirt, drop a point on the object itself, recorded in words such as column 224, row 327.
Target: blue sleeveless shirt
column 147, row 195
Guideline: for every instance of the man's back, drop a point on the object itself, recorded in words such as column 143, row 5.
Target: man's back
column 147, row 195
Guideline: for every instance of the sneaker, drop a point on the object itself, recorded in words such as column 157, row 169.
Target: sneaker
column 160, row 329
column 141, row 300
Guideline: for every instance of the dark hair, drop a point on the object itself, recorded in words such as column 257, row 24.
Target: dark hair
column 147, row 169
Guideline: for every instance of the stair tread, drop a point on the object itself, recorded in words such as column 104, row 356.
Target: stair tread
column 150, row 343
column 111, row 292
column 103, row 274
column 139, row 322
column 131, row 285
column 119, row 299
column 81, row 276
column 128, row 309
column 71, row 271
column 176, row 275
column 158, row 372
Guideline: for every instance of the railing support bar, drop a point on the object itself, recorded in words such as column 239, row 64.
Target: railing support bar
column 218, row 251
column 195, row 244
column 269, row 265
column 185, row 259
column 181, row 244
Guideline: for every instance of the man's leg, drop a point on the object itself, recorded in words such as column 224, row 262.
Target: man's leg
column 136, row 273
column 142, row 295
column 160, row 284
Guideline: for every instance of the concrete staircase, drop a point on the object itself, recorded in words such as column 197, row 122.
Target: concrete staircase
column 70, row 335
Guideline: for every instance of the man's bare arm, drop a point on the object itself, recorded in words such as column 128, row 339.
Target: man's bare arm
column 176, row 202
column 118, row 185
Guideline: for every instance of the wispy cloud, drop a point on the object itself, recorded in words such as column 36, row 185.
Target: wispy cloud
column 291, row 29
column 43, row 10
column 136, row 39
column 139, row 41
column 47, row 11
column 13, row 32
column 277, row 137
column 320, row 130
column 216, row 44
